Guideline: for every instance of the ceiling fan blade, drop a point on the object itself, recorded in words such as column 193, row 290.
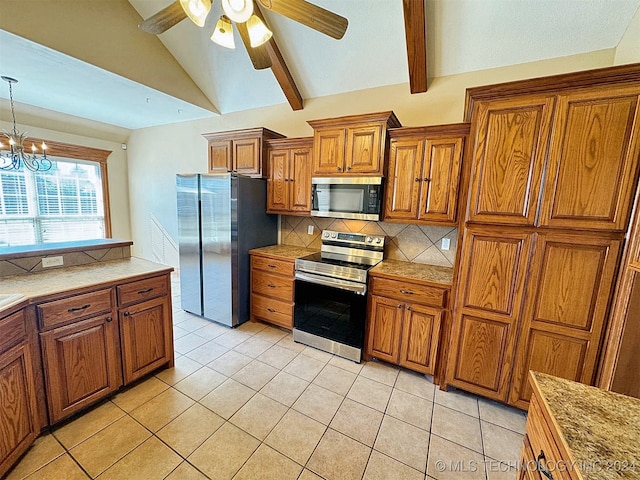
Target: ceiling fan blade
column 164, row 19
column 310, row 15
column 259, row 55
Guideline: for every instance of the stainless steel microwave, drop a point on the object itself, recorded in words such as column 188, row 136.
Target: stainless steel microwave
column 358, row 198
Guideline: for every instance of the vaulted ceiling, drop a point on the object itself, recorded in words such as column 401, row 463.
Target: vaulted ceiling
column 88, row 58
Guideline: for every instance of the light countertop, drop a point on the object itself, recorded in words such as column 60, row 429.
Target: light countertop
column 36, row 286
column 598, row 427
column 414, row 271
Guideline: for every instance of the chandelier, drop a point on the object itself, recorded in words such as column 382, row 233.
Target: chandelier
column 13, row 155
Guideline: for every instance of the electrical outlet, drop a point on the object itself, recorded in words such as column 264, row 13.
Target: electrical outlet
column 52, row 261
column 310, row 229
column 446, row 243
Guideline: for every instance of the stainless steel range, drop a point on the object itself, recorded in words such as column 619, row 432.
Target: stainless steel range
column 330, row 293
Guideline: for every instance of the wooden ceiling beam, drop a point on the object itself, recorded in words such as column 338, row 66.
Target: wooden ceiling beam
column 280, row 70
column 416, row 36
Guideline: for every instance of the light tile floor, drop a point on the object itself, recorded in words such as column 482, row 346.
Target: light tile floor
column 251, row 404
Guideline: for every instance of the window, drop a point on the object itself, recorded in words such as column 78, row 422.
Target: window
column 65, row 203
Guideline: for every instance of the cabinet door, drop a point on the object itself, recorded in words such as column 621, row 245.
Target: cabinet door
column 18, row 423
column 420, row 338
column 364, row 152
column 247, row 156
column 300, row 180
column 488, row 307
column 220, row 156
column 385, row 323
column 403, row 186
column 81, row 364
column 440, row 179
column 146, row 337
column 510, row 144
column 571, row 282
column 593, row 160
column 278, row 181
column 328, row 151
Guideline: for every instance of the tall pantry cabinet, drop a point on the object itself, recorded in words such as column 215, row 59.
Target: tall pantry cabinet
column 552, row 174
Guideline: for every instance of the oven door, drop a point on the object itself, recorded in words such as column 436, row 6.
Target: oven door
column 329, row 318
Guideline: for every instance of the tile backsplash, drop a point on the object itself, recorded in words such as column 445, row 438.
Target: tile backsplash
column 410, row 243
column 32, row 264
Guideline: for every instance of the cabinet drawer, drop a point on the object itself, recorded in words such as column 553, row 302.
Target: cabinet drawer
column 141, row 290
column 282, row 267
column 12, row 330
column 409, row 292
column 274, row 311
column 72, row 308
column 544, row 448
column 272, row 286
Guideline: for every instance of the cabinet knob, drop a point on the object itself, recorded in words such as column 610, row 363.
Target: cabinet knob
column 348, row 168
column 408, row 308
column 427, row 179
column 399, row 305
column 127, row 314
column 109, row 319
column 339, row 169
column 417, row 179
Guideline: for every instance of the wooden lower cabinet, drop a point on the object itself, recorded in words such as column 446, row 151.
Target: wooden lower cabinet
column 81, row 364
column 19, row 423
column 571, row 281
column 272, row 284
column 488, row 302
column 145, row 337
column 401, row 332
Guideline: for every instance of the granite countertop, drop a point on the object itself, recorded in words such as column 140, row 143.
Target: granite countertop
column 600, row 429
column 36, row 286
column 289, row 252
column 414, row 271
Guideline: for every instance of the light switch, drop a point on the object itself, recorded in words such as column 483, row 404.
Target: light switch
column 446, row 243
column 310, row 229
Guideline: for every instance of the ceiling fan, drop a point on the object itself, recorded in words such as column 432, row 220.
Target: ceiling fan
column 248, row 20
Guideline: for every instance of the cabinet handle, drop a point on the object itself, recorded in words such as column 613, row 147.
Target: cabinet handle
column 542, row 468
column 126, row 314
column 271, row 286
column 271, row 310
column 142, row 292
column 77, row 309
column 417, row 179
column 271, row 266
column 406, row 292
column 109, row 319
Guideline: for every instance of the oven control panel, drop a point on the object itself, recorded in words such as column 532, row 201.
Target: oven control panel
column 352, row 239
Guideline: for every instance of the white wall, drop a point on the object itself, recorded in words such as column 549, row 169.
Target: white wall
column 628, row 49
column 157, row 154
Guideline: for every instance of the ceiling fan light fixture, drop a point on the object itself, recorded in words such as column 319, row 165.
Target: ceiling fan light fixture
column 196, row 10
column 258, row 31
column 237, row 10
column 223, row 33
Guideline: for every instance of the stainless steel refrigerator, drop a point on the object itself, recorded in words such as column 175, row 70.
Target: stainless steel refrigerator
column 220, row 218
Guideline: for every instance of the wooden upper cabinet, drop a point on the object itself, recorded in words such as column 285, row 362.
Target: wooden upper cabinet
column 220, row 156
column 424, row 174
column 570, row 285
column 289, row 180
column 488, row 303
column 240, row 151
column 510, row 146
column 328, row 151
column 403, row 184
column 593, row 159
column 355, row 145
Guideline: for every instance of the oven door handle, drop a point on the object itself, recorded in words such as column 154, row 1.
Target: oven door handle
column 359, row 288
